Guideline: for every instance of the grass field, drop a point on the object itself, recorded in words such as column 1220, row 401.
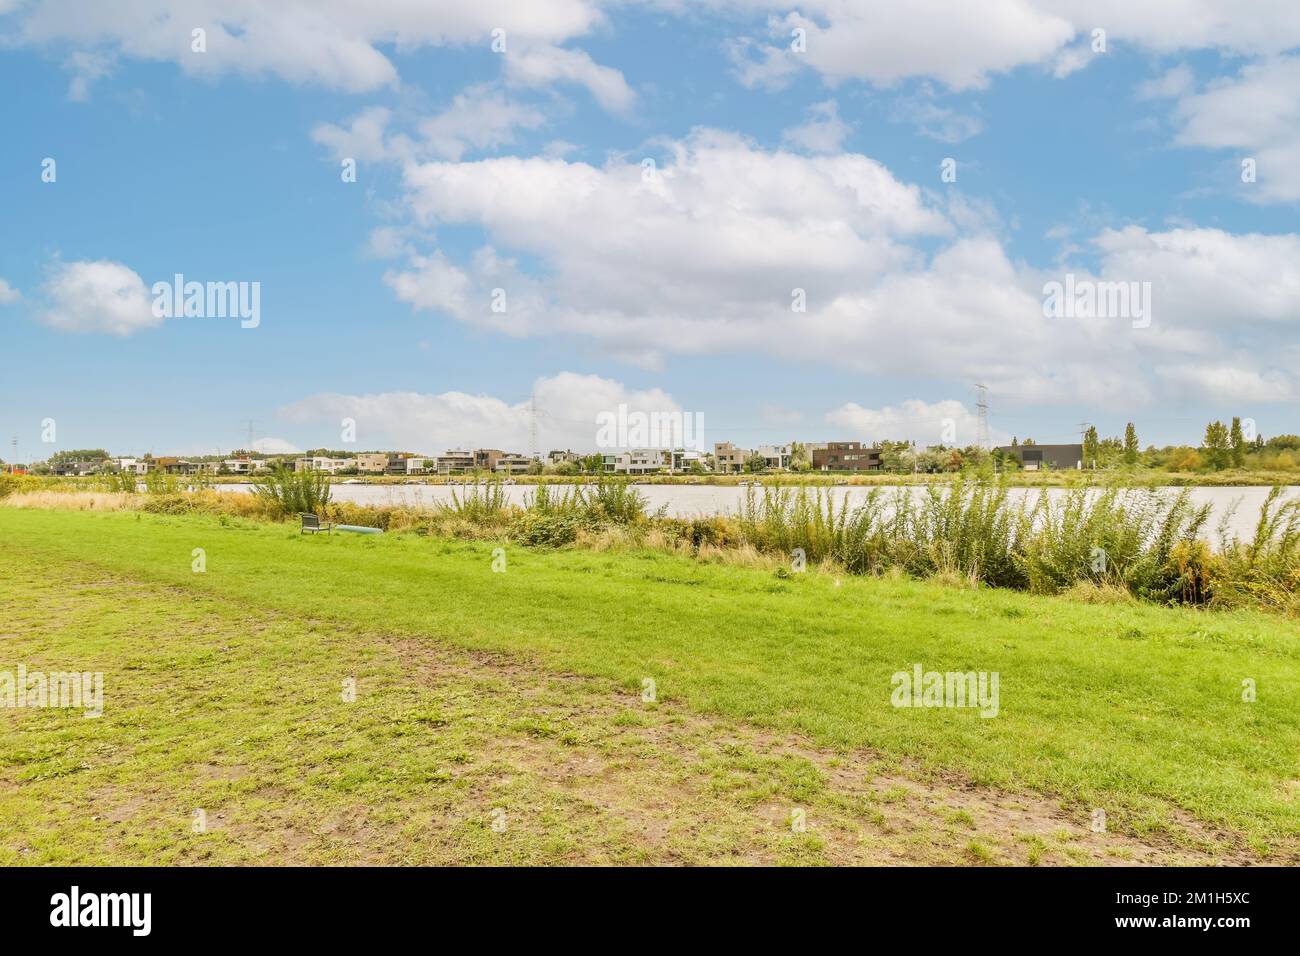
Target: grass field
column 514, row 698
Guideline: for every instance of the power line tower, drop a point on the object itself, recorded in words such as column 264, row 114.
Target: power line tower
column 982, row 416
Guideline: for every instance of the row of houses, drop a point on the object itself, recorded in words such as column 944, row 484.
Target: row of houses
column 727, row 458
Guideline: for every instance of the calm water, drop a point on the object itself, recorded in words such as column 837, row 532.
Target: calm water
column 694, row 500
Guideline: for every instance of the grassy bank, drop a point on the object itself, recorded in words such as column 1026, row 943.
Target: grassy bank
column 1131, row 708
column 1099, row 542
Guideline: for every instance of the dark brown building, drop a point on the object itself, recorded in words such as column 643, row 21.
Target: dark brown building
column 845, row 456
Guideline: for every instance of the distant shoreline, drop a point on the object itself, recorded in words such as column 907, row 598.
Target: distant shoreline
column 1230, row 478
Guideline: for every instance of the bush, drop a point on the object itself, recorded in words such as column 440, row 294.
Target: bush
column 617, row 502
column 286, row 493
column 484, row 504
column 547, row 530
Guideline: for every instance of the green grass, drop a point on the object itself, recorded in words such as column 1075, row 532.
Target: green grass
column 1133, row 708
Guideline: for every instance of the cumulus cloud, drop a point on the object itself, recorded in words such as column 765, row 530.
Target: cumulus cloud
column 99, row 296
column 330, row 43
column 824, row 132
column 275, row 446
column 546, row 65
column 1256, row 114
column 947, row 422
column 719, row 249
column 479, row 118
column 8, row 294
column 961, row 45
column 567, row 405
column 1209, row 277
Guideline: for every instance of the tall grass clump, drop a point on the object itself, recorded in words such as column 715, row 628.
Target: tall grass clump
column 970, row 530
column 1143, row 541
column 284, row 492
column 1265, row 570
column 482, row 504
column 614, row 501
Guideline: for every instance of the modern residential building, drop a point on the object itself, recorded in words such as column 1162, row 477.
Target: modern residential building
column 844, row 456
column 728, row 459
column 135, row 466
column 776, row 456
column 1045, row 457
column 455, row 461
column 372, row 462
column 322, row 463
column 403, row 463
column 558, row 457
column 485, row 459
column 512, row 464
column 684, row 458
column 76, row 469
column 644, row 461
column 244, row 466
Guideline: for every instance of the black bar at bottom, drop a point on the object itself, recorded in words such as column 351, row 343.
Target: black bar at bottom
column 335, row 906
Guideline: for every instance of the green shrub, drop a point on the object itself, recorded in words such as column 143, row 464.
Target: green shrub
column 545, row 529
column 484, row 504
column 286, row 493
column 614, row 501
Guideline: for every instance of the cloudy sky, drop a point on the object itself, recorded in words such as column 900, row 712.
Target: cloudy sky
column 813, row 221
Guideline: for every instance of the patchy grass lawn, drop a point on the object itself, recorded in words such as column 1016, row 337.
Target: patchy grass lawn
column 515, row 697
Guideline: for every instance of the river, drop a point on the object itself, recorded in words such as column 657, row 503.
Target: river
column 695, row 500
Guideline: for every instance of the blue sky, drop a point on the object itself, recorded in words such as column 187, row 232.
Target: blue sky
column 523, row 171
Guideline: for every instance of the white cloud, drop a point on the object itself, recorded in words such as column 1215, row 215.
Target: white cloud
column 331, row 43
column 8, row 294
column 545, row 65
column 275, row 446
column 1208, row 277
column 957, row 43
column 1171, row 84
column 363, row 139
column 479, row 118
column 99, row 296
column 703, row 256
column 1242, row 381
column 946, row 422
column 1256, row 114
column 824, row 132
column 962, row 44
column 941, row 123
column 567, row 404
column 86, row 68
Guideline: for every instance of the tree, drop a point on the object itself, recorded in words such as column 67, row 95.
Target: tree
column 1238, row 443
column 1184, row 459
column 1090, row 447
column 799, row 457
column 1130, row 444
column 755, row 463
column 1216, row 445
column 78, row 454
